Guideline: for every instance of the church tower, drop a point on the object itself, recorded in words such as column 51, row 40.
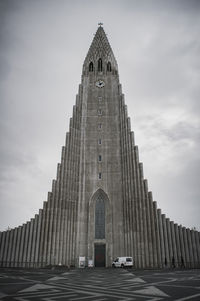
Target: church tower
column 100, row 207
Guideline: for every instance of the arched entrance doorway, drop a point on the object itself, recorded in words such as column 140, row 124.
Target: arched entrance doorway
column 100, row 229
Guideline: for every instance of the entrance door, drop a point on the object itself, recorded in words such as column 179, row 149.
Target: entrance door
column 100, row 255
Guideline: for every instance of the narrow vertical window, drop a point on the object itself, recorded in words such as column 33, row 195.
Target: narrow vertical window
column 91, row 67
column 100, row 65
column 99, row 141
column 100, row 98
column 100, row 176
column 100, row 125
column 109, row 67
column 100, row 219
column 99, row 112
column 99, row 158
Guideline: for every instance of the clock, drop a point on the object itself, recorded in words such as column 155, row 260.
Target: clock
column 100, row 83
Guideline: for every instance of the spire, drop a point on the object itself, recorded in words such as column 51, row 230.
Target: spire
column 100, row 48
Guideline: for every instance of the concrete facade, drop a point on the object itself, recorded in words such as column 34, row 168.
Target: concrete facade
column 100, row 206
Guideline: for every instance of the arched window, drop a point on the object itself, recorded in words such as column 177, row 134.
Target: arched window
column 100, row 65
column 90, row 66
column 109, row 67
column 100, row 218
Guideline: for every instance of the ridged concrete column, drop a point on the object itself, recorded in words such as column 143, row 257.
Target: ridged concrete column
column 153, row 229
column 185, row 239
column 46, row 231
column 14, row 245
column 149, row 232
column 174, row 243
column 194, row 247
column 143, row 214
column 21, row 250
column 132, row 198
column 37, row 244
column 198, row 247
column 161, row 236
column 64, row 258
column 27, row 227
column 135, row 213
column 19, row 233
column 10, row 245
column 177, row 239
column 188, row 231
column 167, row 253
column 169, row 240
column 138, row 210
column 41, row 243
column 33, row 248
column 30, row 244
column 182, row 246
column 61, row 241
column 159, row 261
column 3, row 239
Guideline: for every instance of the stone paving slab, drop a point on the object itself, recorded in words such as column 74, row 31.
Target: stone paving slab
column 99, row 284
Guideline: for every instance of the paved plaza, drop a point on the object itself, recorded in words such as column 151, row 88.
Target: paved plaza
column 99, row 284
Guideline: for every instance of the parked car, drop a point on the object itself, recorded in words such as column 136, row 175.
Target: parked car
column 121, row 262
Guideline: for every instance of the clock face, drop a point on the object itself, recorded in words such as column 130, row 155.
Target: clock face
column 100, row 83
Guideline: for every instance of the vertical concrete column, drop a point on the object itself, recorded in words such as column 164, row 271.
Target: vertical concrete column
column 32, row 254
column 185, row 239
column 182, row 245
column 198, row 247
column 194, row 247
column 143, row 214
column 61, row 242
column 139, row 210
column 37, row 243
column 54, row 213
column 10, row 246
column 129, row 175
column 58, row 214
column 177, row 239
column 5, row 254
column 169, row 239
column 68, row 200
column 64, row 260
column 27, row 233
column 134, row 203
column 46, row 230
column 41, row 243
column 161, row 236
column 167, row 254
column 124, row 182
column 76, row 187
column 133, row 199
column 130, row 184
column 190, row 247
column 174, row 243
column 3, row 241
column 19, row 233
column 21, row 250
column 155, row 254
column 29, row 244
column 70, row 197
column 13, row 251
column 149, row 232
column 51, row 216
column 157, row 234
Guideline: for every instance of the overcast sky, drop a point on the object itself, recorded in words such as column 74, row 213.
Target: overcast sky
column 42, row 48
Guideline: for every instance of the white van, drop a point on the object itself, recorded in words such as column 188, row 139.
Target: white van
column 121, row 262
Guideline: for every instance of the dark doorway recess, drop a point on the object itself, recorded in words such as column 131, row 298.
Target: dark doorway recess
column 100, row 255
